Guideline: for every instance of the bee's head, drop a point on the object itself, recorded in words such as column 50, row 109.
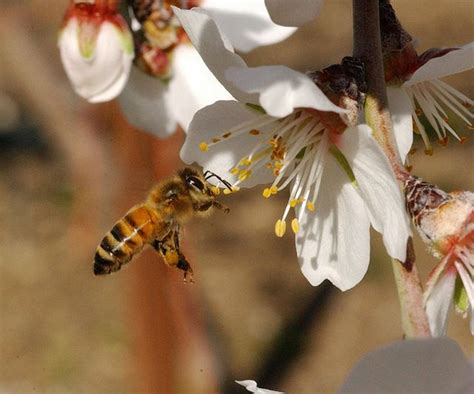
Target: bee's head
column 200, row 190
column 195, row 183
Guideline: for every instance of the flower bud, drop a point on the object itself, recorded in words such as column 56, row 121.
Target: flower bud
column 440, row 217
column 96, row 49
column 445, row 222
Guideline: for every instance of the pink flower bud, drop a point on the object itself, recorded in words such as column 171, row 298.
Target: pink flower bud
column 96, row 49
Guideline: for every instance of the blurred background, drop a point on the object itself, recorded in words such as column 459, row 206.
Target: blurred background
column 69, row 170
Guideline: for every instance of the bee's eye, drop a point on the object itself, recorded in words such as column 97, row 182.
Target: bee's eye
column 193, row 181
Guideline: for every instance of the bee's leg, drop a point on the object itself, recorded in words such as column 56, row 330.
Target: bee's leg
column 168, row 248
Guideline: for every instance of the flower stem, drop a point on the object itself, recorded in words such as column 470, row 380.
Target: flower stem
column 414, row 320
column 368, row 48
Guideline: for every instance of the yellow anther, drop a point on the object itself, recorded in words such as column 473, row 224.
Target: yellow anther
column 233, row 190
column 215, row 190
column 204, row 147
column 295, row 226
column 274, row 189
column 244, row 174
column 310, row 206
column 234, row 171
column 280, row 228
column 267, row 192
column 295, row 202
column 278, row 165
column 245, row 162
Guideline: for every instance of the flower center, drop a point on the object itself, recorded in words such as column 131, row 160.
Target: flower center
column 290, row 149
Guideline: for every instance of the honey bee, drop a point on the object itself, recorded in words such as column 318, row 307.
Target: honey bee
column 157, row 221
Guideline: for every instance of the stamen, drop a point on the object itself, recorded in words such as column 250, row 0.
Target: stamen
column 310, row 206
column 420, row 127
column 233, row 190
column 269, row 191
column 280, row 228
column 204, row 146
column 215, row 190
column 294, row 202
column 295, row 226
column 244, row 174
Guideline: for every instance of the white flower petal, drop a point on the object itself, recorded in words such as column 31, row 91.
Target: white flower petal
column 218, row 56
column 453, row 62
column 400, row 110
column 378, row 187
column 293, row 13
column 281, row 89
column 143, row 101
column 439, row 302
column 103, row 76
column 246, row 23
column 334, row 242
column 192, row 86
column 213, row 121
column 251, row 386
column 412, row 366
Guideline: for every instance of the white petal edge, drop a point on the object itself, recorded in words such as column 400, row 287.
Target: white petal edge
column 143, row 102
column 438, row 303
column 251, row 385
column 378, row 187
column 400, row 110
column 412, row 366
column 294, row 13
column 246, row 23
column 334, row 241
column 215, row 50
column 453, row 62
column 193, row 86
column 213, row 121
column 280, row 89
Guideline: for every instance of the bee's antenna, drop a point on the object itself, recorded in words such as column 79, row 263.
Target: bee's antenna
column 209, row 174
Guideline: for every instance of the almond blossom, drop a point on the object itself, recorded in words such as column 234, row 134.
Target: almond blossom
column 292, row 136
column 180, row 83
column 418, row 95
column 96, row 49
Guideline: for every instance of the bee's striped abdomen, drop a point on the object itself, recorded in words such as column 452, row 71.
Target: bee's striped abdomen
column 126, row 239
